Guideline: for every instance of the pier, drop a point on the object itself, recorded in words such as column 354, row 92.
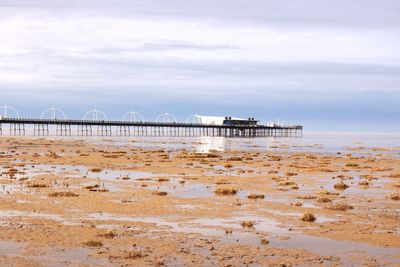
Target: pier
column 42, row 127
column 96, row 126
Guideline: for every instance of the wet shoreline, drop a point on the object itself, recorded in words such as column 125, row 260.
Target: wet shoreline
column 103, row 203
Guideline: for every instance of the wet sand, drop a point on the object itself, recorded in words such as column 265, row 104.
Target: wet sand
column 77, row 203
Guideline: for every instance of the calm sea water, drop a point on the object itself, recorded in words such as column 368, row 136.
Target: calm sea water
column 356, row 143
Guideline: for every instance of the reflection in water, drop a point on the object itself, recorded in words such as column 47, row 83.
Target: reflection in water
column 206, row 144
column 355, row 143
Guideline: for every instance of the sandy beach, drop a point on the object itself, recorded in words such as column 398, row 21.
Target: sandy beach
column 78, row 203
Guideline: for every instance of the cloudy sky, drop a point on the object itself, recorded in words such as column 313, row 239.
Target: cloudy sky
column 327, row 64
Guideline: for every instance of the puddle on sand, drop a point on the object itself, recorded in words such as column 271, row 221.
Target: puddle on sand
column 187, row 190
column 61, row 257
column 5, row 214
column 320, row 218
column 375, row 189
column 80, row 171
column 10, row 188
column 111, row 179
column 10, row 248
column 208, row 227
column 191, row 190
column 344, row 250
column 260, row 223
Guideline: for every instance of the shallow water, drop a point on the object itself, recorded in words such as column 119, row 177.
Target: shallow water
column 324, row 142
column 345, row 251
column 10, row 248
column 78, row 256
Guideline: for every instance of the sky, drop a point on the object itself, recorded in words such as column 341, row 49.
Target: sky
column 330, row 65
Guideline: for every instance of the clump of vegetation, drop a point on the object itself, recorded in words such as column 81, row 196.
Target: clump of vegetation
column 226, row 190
column 328, row 193
column 341, row 186
column 158, row 262
column 53, row 155
column 91, row 187
column 235, row 159
column 95, row 170
column 162, row 180
column 256, row 196
column 63, row 194
column 109, row 235
column 286, row 183
column 136, row 254
column 290, row 174
column 324, row 169
column 363, row 183
column 340, row 206
column 102, row 190
column 211, row 155
column 396, row 185
column 351, row 164
column 264, row 241
column 12, row 172
column 367, row 176
column 394, row 196
column 297, row 204
column 344, row 177
column 228, row 166
column 160, row 193
column 308, row 217
column 323, row 199
column 93, row 243
column 307, row 197
column 38, row 185
column 275, row 158
column 248, row 224
column 275, row 178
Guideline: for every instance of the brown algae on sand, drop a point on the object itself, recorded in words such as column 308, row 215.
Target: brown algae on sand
column 183, row 207
column 226, row 190
column 308, row 217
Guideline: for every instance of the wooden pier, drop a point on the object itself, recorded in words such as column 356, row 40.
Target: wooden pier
column 67, row 127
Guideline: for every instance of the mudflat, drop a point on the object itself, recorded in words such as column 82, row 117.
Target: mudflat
column 76, row 203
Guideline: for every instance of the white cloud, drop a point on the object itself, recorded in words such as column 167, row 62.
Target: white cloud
column 248, row 46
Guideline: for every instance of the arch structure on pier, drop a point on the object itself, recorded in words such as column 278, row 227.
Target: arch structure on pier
column 166, row 118
column 194, row 119
column 9, row 112
column 133, row 116
column 95, row 115
column 53, row 114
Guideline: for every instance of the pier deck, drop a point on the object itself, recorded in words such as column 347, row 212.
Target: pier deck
column 69, row 127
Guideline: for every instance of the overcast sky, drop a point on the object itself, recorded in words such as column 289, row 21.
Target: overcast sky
column 321, row 63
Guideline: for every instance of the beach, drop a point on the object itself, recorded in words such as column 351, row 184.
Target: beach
column 176, row 202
